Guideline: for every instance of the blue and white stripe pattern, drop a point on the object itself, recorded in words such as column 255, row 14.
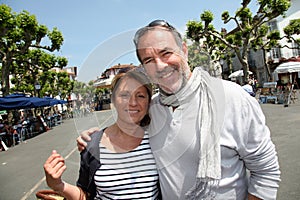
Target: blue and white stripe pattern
column 129, row 175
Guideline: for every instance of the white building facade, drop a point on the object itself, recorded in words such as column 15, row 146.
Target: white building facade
column 279, row 24
column 274, row 57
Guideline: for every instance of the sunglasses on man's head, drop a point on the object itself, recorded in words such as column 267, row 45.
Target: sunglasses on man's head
column 160, row 22
column 155, row 23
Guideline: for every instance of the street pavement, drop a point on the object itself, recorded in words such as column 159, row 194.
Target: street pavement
column 284, row 123
column 21, row 167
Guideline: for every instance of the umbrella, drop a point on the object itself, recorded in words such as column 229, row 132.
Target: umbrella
column 39, row 102
column 63, row 101
column 20, row 101
column 238, row 74
column 14, row 101
column 54, row 101
column 288, row 67
column 15, row 95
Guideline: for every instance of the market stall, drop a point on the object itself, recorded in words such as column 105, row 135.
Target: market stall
column 288, row 73
column 287, row 76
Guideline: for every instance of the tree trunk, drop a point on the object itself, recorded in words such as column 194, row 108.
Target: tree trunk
column 266, row 64
column 243, row 58
column 5, row 77
column 245, row 71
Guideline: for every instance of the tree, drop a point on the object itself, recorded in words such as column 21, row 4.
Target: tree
column 85, row 92
column 52, row 84
column 251, row 32
column 56, row 84
column 293, row 29
column 22, row 47
column 26, row 70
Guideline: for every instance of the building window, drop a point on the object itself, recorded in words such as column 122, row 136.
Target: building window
column 273, row 26
column 275, row 53
column 296, row 49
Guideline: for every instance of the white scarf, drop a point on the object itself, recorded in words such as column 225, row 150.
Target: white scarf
column 209, row 168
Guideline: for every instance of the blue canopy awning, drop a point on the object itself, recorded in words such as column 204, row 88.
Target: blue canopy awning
column 20, row 101
column 14, row 101
column 54, row 101
column 39, row 102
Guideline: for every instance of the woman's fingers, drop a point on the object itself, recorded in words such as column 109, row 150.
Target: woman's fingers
column 85, row 137
column 55, row 165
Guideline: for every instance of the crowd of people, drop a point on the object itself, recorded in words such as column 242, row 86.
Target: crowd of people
column 25, row 124
column 21, row 127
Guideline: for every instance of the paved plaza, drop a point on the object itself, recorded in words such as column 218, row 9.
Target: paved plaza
column 21, row 167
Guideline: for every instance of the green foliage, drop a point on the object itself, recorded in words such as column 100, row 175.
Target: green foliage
column 86, row 91
column 21, row 51
column 244, row 15
column 56, row 38
column 263, row 30
column 197, row 57
column 271, row 7
column 274, row 35
column 230, row 39
column 61, row 61
column 292, row 28
column 249, row 32
column 207, row 17
column 52, row 83
column 193, row 28
column 225, row 16
column 238, row 38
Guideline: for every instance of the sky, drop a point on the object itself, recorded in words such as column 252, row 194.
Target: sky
column 98, row 33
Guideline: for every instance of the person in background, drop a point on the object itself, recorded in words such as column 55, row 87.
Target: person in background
column 208, row 136
column 118, row 162
column 8, row 137
column 249, row 88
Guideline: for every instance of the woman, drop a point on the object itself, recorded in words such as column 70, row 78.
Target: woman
column 118, row 163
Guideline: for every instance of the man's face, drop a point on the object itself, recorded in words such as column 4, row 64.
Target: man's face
column 164, row 61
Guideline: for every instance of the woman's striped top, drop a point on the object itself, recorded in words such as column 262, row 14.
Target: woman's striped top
column 129, row 175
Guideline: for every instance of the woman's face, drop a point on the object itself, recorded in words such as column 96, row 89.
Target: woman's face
column 131, row 101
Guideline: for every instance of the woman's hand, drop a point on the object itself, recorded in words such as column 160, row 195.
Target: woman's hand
column 54, row 168
column 85, row 137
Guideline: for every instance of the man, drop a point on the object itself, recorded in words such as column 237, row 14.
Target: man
column 206, row 133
